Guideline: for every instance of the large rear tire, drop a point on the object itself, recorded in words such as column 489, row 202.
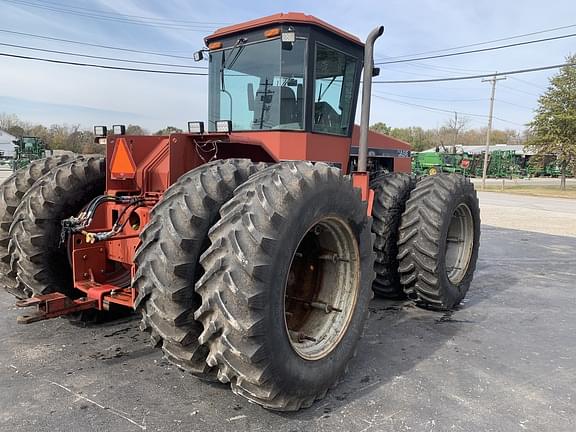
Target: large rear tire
column 439, row 241
column 11, row 193
column 39, row 259
column 167, row 258
column 287, row 284
column 391, row 191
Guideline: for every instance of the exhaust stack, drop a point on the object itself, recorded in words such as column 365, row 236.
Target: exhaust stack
column 366, row 96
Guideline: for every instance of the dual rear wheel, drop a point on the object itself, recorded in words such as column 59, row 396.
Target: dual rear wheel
column 265, row 284
column 427, row 238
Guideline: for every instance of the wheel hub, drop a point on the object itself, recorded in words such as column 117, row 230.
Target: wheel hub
column 321, row 288
column 459, row 243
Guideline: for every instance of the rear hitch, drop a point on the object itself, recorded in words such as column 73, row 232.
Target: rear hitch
column 53, row 305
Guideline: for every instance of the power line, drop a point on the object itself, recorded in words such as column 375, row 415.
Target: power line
column 486, row 42
column 170, row 20
column 92, row 44
column 429, row 108
column 101, row 57
column 433, row 99
column 519, row 91
column 499, row 47
column 405, row 72
column 442, row 68
column 195, row 28
column 514, row 104
column 539, row 87
column 165, row 72
column 469, row 77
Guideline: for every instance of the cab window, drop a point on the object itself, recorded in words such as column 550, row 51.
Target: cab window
column 333, row 90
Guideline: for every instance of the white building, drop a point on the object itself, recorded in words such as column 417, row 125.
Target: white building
column 6, row 144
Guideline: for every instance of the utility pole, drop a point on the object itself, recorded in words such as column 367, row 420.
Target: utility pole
column 489, row 131
column 455, row 128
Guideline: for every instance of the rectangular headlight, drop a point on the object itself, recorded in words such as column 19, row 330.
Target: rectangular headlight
column 198, row 56
column 100, row 131
column 289, row 37
column 196, row 127
column 224, row 126
column 119, row 129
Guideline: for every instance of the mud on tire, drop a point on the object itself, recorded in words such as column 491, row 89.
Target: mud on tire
column 439, row 241
column 11, row 192
column 38, row 259
column 272, row 234
column 391, row 191
column 167, row 258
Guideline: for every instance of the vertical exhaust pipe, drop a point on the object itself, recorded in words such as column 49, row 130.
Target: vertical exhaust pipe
column 366, row 96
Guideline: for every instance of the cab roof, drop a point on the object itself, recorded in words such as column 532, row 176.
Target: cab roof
column 282, row 18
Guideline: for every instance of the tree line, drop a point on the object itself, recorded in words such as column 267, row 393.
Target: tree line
column 451, row 133
column 67, row 137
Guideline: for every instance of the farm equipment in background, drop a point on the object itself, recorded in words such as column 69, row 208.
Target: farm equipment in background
column 251, row 248
column 27, row 149
column 509, row 164
column 432, row 163
column 5, row 161
column 501, row 164
column 546, row 166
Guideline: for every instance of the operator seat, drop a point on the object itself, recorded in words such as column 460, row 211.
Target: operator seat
column 269, row 112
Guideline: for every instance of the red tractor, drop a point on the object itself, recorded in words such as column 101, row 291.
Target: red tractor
column 251, row 247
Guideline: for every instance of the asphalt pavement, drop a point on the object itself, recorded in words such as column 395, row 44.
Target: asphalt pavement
column 545, row 215
column 504, row 361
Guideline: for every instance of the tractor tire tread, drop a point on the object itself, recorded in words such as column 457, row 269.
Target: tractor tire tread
column 234, row 315
column 167, row 259
column 12, row 191
column 37, row 258
column 424, row 224
column 391, row 191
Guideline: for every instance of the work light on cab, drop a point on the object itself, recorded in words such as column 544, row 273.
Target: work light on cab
column 119, row 129
column 223, row 126
column 196, row 127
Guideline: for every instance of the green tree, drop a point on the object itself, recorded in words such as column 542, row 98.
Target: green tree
column 168, row 130
column 553, row 129
column 136, row 130
column 381, row 128
column 419, row 138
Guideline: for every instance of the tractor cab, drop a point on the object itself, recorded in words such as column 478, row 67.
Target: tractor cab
column 286, row 72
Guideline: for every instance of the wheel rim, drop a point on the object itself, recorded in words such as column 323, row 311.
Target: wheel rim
column 321, row 288
column 459, row 243
column 432, row 171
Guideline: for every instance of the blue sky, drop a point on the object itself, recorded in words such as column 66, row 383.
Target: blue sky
column 50, row 93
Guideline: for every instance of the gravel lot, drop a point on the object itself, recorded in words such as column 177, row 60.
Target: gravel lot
column 505, row 361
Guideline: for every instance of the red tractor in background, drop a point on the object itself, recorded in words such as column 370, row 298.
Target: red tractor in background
column 252, row 246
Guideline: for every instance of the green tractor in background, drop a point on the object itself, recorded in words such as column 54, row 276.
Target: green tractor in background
column 26, row 150
column 431, row 163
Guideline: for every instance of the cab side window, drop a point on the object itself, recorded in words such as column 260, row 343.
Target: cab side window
column 333, row 90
